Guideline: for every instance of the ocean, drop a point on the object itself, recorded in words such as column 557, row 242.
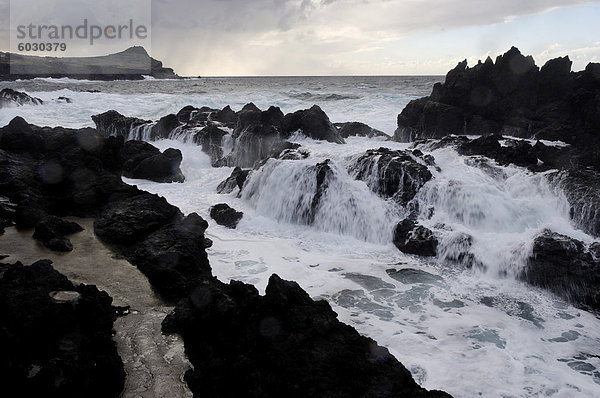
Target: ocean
column 472, row 331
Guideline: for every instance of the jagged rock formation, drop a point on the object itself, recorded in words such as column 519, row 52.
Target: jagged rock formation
column 291, row 346
column 391, row 174
column 144, row 161
column 411, row 238
column 510, row 97
column 10, row 97
column 255, row 135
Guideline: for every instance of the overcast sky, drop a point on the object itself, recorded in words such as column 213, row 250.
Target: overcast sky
column 361, row 37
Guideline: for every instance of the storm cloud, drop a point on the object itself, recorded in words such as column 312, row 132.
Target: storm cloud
column 295, row 37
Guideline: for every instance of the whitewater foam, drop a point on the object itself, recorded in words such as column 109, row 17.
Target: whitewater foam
column 519, row 341
column 470, row 331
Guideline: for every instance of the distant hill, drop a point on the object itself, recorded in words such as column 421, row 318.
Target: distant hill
column 131, row 64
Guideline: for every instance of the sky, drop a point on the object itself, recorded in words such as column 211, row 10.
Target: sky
column 359, row 37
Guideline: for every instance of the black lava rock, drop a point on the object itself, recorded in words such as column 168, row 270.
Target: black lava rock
column 566, row 267
column 280, row 344
column 225, row 215
column 144, row 161
column 313, row 123
column 236, row 179
column 10, row 97
column 411, row 238
column 351, row 129
column 52, row 231
column 56, row 338
column 391, row 174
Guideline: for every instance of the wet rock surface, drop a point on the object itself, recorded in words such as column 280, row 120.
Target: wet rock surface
column 313, row 123
column 411, row 238
column 112, row 123
column 9, row 97
column 56, row 347
column 290, row 346
column 141, row 160
column 255, row 135
column 391, row 174
column 567, row 267
column 52, row 232
column 235, row 180
column 225, row 215
column 358, row 129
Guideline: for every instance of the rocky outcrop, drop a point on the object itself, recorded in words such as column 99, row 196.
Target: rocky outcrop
column 64, row 172
column 280, row 344
column 567, row 267
column 10, row 97
column 52, row 232
column 313, row 123
column 582, row 190
column 211, row 140
column 56, row 171
column 164, row 127
column 153, row 235
column 56, row 338
column 143, row 161
column 225, row 215
column 112, row 123
column 235, row 180
column 411, row 238
column 255, row 134
column 510, row 96
column 352, row 129
column 391, row 174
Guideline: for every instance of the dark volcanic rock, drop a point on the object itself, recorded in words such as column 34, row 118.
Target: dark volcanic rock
column 211, row 140
column 10, row 97
column 52, row 231
column 56, row 171
column 255, row 134
column 134, row 218
column 53, row 347
column 143, row 160
column 313, row 123
column 566, row 267
column 168, row 248
column 225, row 215
column 412, row 238
column 164, row 127
column 517, row 152
column 582, row 189
column 236, row 179
column 391, row 174
column 509, row 97
column 280, row 344
column 351, row 129
column 112, row 123
column 226, row 116
column 174, row 257
column 76, row 173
